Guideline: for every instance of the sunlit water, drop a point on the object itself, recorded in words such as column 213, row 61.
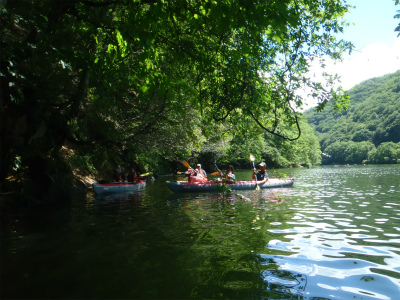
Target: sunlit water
column 334, row 235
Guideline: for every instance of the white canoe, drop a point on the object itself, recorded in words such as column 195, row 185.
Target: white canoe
column 117, row 187
column 184, row 186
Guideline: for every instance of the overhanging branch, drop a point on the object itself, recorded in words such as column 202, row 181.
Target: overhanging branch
column 274, row 130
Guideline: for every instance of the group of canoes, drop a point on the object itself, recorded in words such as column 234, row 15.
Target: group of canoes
column 198, row 182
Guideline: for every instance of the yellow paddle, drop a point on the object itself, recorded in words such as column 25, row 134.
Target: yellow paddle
column 186, row 164
column 252, row 159
column 146, row 174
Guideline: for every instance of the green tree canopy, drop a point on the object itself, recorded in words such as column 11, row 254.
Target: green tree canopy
column 386, row 153
column 117, row 79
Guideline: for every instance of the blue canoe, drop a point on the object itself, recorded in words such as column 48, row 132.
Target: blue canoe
column 117, row 187
column 184, row 186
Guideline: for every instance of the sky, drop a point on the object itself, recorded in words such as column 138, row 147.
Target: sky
column 377, row 47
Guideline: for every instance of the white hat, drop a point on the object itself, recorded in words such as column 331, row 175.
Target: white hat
column 262, row 164
column 199, row 165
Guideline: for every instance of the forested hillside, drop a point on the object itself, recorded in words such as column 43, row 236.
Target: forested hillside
column 369, row 131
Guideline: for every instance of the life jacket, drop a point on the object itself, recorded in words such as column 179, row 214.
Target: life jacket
column 133, row 177
column 197, row 179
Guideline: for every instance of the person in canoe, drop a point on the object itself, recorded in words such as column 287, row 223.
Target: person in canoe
column 200, row 172
column 119, row 176
column 133, row 175
column 190, row 172
column 261, row 175
column 229, row 176
column 196, row 175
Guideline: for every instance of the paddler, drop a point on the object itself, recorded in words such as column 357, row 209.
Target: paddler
column 229, row 176
column 196, row 175
column 133, row 175
column 200, row 172
column 261, row 175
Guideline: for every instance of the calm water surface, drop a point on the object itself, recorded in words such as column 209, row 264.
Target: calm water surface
column 334, row 235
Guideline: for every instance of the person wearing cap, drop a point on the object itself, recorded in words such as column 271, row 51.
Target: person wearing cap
column 261, row 175
column 196, row 175
column 200, row 172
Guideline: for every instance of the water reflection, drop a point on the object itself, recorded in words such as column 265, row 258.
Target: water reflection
column 120, row 199
column 341, row 241
column 227, row 234
column 334, row 235
column 327, row 279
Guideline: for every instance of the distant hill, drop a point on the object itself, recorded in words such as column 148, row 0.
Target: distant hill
column 373, row 115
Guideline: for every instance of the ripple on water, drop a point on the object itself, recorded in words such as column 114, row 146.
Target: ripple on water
column 341, row 242
column 301, row 275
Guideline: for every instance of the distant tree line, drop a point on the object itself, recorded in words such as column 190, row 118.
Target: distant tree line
column 362, row 153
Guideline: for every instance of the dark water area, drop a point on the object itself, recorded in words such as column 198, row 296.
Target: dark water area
column 334, row 235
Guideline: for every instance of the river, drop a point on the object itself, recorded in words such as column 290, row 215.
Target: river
column 334, row 235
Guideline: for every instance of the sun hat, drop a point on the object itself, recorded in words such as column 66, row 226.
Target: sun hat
column 262, row 164
column 199, row 165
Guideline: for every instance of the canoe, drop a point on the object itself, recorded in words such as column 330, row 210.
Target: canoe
column 184, row 186
column 117, row 187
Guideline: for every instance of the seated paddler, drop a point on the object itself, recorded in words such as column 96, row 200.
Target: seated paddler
column 196, row 175
column 133, row 175
column 200, row 172
column 261, row 175
column 229, row 176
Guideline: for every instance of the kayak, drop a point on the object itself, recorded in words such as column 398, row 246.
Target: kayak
column 209, row 186
column 117, row 187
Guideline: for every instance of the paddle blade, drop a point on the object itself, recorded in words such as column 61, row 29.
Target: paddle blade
column 252, row 157
column 146, row 174
column 258, row 187
column 186, row 164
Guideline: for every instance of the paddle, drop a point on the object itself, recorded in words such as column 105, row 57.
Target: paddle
column 219, row 171
column 186, row 164
column 252, row 159
column 145, row 174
